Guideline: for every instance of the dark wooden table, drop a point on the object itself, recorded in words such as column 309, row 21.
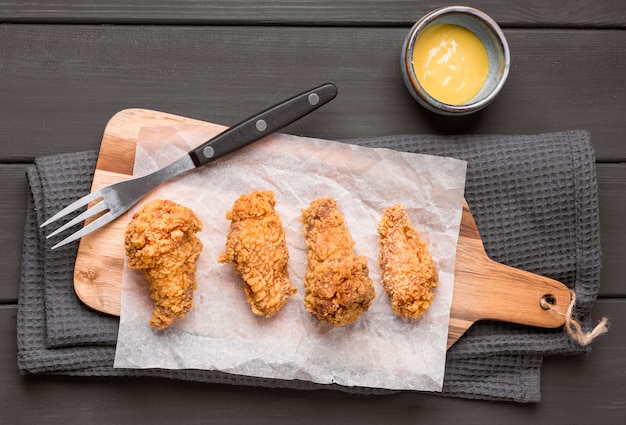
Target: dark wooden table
column 66, row 67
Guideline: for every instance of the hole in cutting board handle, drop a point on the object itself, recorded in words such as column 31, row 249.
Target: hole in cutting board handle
column 547, row 301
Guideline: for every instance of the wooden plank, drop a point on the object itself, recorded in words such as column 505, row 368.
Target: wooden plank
column 578, row 389
column 12, row 217
column 600, row 376
column 61, row 84
column 612, row 200
column 537, row 13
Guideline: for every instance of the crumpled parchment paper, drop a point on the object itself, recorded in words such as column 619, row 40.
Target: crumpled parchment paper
column 221, row 333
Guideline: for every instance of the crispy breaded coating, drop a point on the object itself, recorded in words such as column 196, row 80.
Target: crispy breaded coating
column 161, row 241
column 257, row 248
column 407, row 269
column 337, row 284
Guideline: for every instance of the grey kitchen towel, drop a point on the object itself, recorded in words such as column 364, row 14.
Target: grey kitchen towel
column 534, row 198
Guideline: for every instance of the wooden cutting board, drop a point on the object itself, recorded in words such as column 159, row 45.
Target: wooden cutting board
column 483, row 288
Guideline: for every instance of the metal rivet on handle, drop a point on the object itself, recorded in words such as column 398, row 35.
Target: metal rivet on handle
column 314, row 99
column 261, row 125
column 208, row 152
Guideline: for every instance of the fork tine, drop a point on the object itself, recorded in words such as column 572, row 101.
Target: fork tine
column 98, row 208
column 94, row 225
column 74, row 206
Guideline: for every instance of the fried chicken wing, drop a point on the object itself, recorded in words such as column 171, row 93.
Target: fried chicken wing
column 337, row 284
column 161, row 241
column 407, row 269
column 257, row 248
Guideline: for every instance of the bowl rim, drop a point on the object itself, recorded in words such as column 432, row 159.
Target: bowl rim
column 409, row 72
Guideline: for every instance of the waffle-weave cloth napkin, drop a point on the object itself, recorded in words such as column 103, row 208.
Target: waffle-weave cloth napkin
column 534, row 199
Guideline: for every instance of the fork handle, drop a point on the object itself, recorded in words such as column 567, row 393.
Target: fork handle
column 263, row 123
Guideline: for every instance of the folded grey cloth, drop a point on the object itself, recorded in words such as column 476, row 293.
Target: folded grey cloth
column 534, row 199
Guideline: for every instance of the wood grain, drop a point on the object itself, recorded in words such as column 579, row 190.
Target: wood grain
column 59, row 85
column 536, row 13
column 612, row 204
column 65, row 81
column 575, row 390
column 612, row 200
column 483, row 289
column 12, row 216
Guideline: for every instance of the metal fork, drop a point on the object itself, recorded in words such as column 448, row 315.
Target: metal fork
column 118, row 198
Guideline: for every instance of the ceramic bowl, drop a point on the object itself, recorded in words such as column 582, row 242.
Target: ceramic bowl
column 491, row 36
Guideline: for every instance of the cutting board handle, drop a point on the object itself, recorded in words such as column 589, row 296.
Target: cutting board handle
column 487, row 290
column 495, row 291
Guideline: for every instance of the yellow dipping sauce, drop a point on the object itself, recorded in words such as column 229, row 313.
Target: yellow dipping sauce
column 450, row 63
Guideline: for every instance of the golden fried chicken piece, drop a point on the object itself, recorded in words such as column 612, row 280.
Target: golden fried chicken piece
column 256, row 247
column 337, row 284
column 161, row 241
column 407, row 269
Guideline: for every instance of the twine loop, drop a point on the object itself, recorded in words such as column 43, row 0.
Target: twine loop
column 572, row 326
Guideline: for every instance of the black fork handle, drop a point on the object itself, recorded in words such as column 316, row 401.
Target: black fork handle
column 264, row 123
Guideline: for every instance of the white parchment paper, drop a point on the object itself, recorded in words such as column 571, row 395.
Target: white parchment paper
column 221, row 333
